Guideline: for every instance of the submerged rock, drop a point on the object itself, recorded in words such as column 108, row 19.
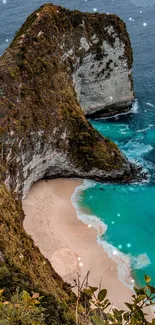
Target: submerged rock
column 57, row 59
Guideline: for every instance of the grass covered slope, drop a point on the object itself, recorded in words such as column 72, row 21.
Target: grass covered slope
column 23, row 266
column 44, row 133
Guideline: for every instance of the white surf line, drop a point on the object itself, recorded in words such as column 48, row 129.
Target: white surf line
column 149, row 104
column 123, row 261
column 134, row 110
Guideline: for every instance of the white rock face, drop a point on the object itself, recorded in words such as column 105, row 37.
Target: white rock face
column 47, row 161
column 51, row 163
column 84, row 44
column 100, row 61
column 43, row 159
column 103, row 80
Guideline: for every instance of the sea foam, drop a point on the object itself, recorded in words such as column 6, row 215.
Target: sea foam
column 133, row 110
column 95, row 222
column 146, row 129
column 135, row 107
column 122, row 260
column 141, row 261
column 149, row 104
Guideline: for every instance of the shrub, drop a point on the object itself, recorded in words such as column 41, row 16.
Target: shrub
column 99, row 310
column 22, row 309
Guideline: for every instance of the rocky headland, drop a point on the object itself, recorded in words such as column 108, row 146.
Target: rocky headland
column 61, row 66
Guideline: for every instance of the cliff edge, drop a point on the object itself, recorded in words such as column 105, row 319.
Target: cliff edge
column 43, row 130
column 44, row 74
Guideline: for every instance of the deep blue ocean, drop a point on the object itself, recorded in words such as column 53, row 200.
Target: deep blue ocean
column 127, row 210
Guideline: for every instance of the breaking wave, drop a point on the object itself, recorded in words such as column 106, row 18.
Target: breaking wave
column 133, row 110
column 123, row 261
column 149, row 104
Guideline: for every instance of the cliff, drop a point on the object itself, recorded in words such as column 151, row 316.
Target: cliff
column 43, row 131
column 94, row 48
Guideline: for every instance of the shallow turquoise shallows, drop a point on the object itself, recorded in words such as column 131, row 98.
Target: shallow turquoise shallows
column 135, row 133
column 128, row 210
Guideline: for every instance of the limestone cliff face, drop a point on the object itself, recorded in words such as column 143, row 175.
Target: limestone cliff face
column 102, row 76
column 43, row 131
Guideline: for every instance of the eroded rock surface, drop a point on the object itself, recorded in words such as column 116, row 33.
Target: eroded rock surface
column 103, row 80
column 43, row 131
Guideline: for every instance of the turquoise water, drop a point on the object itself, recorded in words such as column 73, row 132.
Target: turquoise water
column 128, row 210
column 134, row 133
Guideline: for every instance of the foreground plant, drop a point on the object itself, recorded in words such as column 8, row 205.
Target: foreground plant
column 22, row 309
column 98, row 310
column 92, row 307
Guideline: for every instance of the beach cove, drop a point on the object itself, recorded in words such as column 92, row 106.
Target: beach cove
column 68, row 243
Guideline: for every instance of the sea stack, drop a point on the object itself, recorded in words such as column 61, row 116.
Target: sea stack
column 61, row 66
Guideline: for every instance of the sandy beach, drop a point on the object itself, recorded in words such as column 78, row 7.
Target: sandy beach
column 68, row 243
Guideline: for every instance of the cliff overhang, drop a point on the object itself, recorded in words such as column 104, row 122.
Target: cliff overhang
column 44, row 77
column 58, row 60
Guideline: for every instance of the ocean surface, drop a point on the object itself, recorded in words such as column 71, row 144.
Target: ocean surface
column 126, row 212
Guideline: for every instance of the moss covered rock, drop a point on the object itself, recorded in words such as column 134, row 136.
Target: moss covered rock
column 44, row 133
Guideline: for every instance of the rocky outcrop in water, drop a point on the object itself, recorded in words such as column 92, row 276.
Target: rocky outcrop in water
column 57, row 59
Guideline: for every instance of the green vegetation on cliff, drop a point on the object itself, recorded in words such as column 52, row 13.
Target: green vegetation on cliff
column 23, row 266
column 37, row 95
column 92, row 307
column 40, row 120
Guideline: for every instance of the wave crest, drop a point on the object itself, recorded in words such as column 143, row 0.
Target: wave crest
column 123, row 261
column 141, row 261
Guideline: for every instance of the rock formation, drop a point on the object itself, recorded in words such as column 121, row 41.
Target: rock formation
column 102, row 75
column 57, row 59
column 43, row 130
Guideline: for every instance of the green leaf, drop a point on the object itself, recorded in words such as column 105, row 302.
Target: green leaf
column 139, row 291
column 136, row 290
column 129, row 305
column 110, row 317
column 93, row 289
column 139, row 314
column 25, row 296
column 105, row 301
column 126, row 316
column 107, row 305
column 117, row 314
column 97, row 320
column 102, row 294
column 147, row 278
column 87, row 292
column 152, row 289
column 153, row 321
column 141, row 297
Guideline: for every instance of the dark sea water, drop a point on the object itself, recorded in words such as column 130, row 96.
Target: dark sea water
column 127, row 210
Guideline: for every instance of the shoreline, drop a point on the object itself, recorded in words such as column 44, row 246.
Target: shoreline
column 68, row 243
column 122, row 261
